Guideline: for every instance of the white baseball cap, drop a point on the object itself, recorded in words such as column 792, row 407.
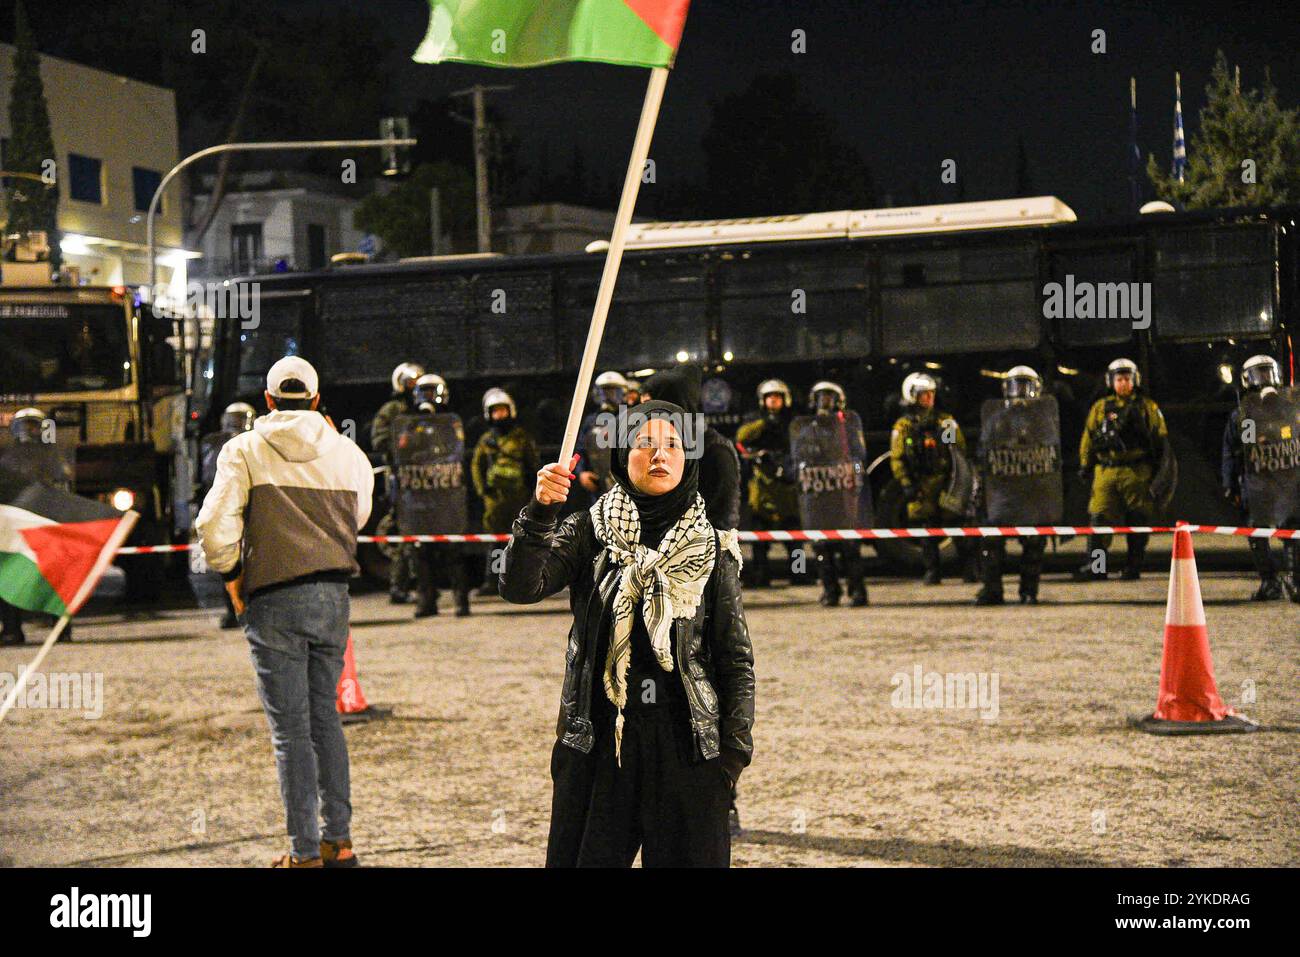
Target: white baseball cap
column 292, row 367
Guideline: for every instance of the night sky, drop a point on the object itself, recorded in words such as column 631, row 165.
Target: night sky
column 910, row 85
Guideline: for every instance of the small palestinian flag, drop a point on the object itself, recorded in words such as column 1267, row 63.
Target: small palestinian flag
column 54, row 546
column 517, row 33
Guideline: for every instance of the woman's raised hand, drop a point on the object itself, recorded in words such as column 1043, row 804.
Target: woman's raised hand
column 553, row 482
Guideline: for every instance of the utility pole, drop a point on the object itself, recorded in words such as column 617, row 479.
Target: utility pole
column 481, row 160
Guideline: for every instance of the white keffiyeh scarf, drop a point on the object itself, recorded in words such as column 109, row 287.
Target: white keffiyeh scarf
column 668, row 581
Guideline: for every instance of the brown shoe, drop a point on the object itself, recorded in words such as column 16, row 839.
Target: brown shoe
column 338, row 854
column 288, row 860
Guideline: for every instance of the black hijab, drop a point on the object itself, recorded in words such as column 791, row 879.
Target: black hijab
column 658, row 513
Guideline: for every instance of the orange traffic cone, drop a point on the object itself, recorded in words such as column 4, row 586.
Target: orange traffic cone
column 1188, row 702
column 351, row 701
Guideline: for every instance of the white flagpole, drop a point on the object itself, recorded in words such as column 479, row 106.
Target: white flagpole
column 50, row 639
column 605, row 294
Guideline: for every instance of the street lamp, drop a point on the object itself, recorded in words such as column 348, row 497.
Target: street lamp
column 388, row 143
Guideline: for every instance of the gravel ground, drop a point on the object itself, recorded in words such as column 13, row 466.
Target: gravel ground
column 178, row 771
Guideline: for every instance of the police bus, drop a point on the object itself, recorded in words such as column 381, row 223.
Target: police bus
column 105, row 375
column 962, row 291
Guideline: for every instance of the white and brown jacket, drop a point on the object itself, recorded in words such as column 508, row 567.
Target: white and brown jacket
column 288, row 501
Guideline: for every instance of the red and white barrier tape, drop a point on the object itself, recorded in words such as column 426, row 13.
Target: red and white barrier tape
column 847, row 534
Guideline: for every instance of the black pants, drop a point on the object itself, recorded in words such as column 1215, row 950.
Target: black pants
column 1137, row 542
column 428, row 558
column 993, row 551
column 839, row 558
column 11, row 619
column 665, row 800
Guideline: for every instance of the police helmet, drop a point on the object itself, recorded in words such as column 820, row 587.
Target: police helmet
column 1119, row 366
column 915, row 384
column 827, row 386
column 494, row 397
column 1021, row 382
column 27, row 424
column 238, row 417
column 609, row 387
column 771, row 386
column 405, row 374
column 1259, row 372
column 432, row 389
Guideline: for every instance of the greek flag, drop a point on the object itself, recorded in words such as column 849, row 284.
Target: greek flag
column 1180, row 145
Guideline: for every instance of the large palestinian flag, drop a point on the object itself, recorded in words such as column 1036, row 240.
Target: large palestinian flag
column 54, row 546
column 517, row 33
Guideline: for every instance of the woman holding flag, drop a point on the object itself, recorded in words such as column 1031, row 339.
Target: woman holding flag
column 657, row 704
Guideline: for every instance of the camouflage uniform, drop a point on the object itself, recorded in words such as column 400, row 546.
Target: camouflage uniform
column 773, row 498
column 1123, row 437
column 923, row 467
column 504, row 471
column 401, row 570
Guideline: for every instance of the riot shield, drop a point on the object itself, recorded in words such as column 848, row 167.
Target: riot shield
column 599, row 451
column 1270, row 442
column 828, row 454
column 429, row 461
column 51, row 463
column 210, row 447
column 1020, row 447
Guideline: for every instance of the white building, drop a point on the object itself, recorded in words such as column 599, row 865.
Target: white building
column 114, row 140
column 296, row 220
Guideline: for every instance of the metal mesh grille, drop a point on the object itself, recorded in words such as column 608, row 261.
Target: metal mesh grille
column 367, row 326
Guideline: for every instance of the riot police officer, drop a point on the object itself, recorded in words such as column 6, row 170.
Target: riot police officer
column 828, row 451
column 719, row 462
column 428, row 455
column 1125, row 440
column 632, row 392
column 924, row 447
column 401, row 570
column 237, row 418
column 1020, row 459
column 593, row 444
column 1261, row 470
column 39, row 461
column 505, row 463
column 765, row 444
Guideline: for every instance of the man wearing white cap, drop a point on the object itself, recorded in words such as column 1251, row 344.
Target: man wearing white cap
column 281, row 524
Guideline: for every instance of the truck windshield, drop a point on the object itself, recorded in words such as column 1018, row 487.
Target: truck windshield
column 55, row 347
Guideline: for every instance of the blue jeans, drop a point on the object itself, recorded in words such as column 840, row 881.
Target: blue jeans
column 297, row 635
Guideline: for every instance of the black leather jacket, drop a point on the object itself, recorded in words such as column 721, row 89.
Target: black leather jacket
column 714, row 654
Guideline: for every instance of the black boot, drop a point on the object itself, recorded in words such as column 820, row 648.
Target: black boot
column 827, row 573
column 1031, row 568
column 858, row 594
column 1270, row 589
column 1096, row 543
column 427, row 591
column 757, row 572
column 968, row 554
column 1137, row 549
column 991, row 553
column 462, row 603
column 489, row 586
column 11, row 625
column 1291, row 559
column 930, row 556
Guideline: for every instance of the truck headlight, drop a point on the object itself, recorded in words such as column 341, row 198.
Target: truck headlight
column 122, row 499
